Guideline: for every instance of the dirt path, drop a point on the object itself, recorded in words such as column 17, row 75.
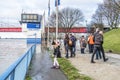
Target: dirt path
column 98, row 71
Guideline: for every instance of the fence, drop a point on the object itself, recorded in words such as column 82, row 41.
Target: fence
column 17, row 70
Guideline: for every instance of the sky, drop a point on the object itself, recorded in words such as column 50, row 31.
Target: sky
column 10, row 10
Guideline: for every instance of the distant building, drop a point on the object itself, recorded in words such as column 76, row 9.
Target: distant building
column 77, row 31
column 30, row 29
column 11, row 32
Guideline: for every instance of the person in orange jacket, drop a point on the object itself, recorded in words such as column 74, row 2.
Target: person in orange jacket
column 91, row 43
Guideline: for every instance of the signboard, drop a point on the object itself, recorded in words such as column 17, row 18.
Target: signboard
column 25, row 18
column 33, row 26
column 10, row 29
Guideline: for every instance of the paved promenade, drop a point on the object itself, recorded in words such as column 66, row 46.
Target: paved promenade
column 109, row 70
column 41, row 67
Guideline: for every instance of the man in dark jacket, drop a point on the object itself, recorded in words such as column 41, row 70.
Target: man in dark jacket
column 73, row 46
column 98, row 41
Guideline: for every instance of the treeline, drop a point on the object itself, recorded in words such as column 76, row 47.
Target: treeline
column 107, row 13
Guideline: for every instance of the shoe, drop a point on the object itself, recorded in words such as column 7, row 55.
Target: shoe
column 71, row 56
column 53, row 67
column 74, row 55
column 57, row 67
column 66, row 56
column 105, row 59
column 93, row 62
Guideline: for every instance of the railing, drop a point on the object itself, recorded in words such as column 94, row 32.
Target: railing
column 17, row 71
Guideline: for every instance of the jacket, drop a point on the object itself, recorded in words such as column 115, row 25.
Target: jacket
column 98, row 38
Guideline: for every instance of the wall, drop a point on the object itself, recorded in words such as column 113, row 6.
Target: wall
column 33, row 35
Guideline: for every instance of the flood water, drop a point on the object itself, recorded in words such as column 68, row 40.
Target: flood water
column 10, row 51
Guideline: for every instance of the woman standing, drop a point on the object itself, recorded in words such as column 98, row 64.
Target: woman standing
column 91, row 43
column 56, row 52
column 83, row 44
column 66, row 45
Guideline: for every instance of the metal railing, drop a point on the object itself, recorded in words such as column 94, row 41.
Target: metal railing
column 18, row 70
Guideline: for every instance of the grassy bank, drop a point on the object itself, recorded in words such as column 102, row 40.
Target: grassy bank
column 28, row 77
column 70, row 71
column 112, row 41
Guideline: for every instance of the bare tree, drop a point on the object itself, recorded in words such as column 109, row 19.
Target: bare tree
column 98, row 16
column 117, row 3
column 107, row 13
column 67, row 18
column 113, row 14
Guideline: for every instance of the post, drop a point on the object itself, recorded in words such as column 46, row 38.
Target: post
column 48, row 24
column 56, row 19
column 87, row 28
column 48, row 37
column 43, row 28
column 35, row 39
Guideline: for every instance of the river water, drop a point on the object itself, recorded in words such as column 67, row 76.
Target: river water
column 10, row 51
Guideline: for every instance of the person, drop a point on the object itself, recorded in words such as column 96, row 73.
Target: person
column 53, row 43
column 73, row 45
column 90, row 43
column 98, row 52
column 98, row 39
column 66, row 45
column 83, row 44
column 59, row 53
column 101, row 47
column 56, row 51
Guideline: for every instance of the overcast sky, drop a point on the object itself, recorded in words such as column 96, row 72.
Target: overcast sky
column 10, row 10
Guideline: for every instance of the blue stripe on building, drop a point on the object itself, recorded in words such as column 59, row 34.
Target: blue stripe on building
column 33, row 40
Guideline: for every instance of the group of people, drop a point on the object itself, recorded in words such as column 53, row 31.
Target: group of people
column 98, row 46
column 94, row 41
column 70, row 44
column 95, row 45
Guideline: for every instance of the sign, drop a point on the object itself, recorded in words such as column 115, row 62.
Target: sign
column 10, row 29
column 33, row 26
column 25, row 18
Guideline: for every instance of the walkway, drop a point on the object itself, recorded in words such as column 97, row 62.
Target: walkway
column 41, row 67
column 109, row 70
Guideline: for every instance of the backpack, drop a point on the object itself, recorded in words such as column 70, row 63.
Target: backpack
column 70, row 42
column 84, row 44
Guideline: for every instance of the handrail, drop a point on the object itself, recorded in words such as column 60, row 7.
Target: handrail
column 20, row 66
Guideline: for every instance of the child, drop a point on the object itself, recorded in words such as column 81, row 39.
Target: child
column 56, row 51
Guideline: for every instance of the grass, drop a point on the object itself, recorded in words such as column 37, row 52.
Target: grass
column 70, row 71
column 112, row 41
column 28, row 77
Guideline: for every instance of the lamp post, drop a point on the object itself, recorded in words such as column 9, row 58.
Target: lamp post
column 56, row 19
column 48, row 37
column 35, row 39
column 48, row 24
column 87, row 27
